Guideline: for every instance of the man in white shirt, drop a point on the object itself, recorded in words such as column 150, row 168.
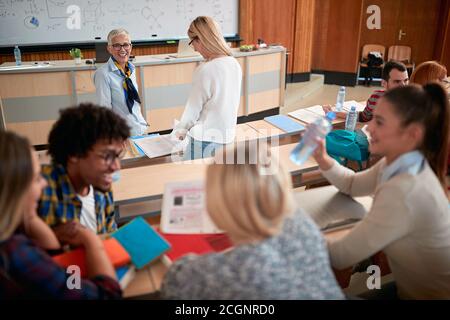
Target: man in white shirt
column 116, row 85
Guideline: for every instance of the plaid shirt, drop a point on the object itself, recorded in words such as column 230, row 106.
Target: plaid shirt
column 26, row 272
column 60, row 204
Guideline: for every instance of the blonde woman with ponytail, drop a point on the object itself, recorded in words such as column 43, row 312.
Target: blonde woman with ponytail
column 279, row 253
column 210, row 114
column 409, row 219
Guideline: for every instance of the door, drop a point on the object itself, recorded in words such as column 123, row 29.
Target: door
column 418, row 27
column 412, row 23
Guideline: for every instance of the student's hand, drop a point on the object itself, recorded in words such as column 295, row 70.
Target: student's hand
column 339, row 114
column 321, row 156
column 74, row 234
column 327, row 108
column 180, row 134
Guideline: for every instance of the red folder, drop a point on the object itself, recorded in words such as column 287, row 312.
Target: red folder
column 116, row 253
column 183, row 244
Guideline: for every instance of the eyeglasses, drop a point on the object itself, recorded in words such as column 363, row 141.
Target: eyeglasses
column 118, row 46
column 190, row 42
column 109, row 157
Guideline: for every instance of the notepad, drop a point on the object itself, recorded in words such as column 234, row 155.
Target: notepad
column 285, row 123
column 142, row 243
column 115, row 251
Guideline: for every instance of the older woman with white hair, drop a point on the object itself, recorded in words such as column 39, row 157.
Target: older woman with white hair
column 279, row 253
column 116, row 85
column 210, row 115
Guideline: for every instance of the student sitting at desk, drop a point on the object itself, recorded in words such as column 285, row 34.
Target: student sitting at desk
column 210, row 115
column 279, row 253
column 409, row 219
column 429, row 71
column 116, row 85
column 26, row 270
column 394, row 75
column 85, row 145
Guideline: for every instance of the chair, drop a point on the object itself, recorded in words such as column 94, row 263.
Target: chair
column 364, row 59
column 402, row 54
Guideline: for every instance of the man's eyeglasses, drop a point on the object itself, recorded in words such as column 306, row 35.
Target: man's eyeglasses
column 118, row 46
column 109, row 157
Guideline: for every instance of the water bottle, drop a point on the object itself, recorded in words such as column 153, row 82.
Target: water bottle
column 340, row 99
column 350, row 121
column 17, row 56
column 317, row 129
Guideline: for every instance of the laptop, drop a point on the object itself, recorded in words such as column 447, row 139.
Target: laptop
column 184, row 50
column 101, row 53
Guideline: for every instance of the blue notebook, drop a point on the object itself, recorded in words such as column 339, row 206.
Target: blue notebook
column 285, row 123
column 141, row 241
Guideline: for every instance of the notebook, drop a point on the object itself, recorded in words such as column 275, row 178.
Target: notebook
column 115, row 251
column 141, row 241
column 185, row 50
column 125, row 275
column 285, row 123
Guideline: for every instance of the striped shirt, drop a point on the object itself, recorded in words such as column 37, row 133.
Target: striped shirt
column 59, row 202
column 367, row 113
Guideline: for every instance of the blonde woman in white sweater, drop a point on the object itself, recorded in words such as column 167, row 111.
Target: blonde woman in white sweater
column 210, row 115
column 409, row 219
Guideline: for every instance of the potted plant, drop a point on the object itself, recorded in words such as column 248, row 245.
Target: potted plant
column 76, row 54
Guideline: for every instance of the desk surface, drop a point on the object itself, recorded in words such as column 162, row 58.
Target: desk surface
column 147, row 183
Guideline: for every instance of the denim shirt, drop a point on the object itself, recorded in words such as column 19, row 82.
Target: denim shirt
column 110, row 93
column 410, row 162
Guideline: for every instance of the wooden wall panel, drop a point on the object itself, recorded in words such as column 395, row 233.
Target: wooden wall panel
column 303, row 36
column 320, row 34
column 343, row 33
column 274, row 21
column 246, row 20
column 389, row 20
column 336, row 35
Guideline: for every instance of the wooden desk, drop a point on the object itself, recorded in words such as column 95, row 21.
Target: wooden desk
column 139, row 190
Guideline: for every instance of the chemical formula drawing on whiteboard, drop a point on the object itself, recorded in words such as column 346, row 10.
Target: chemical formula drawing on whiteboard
column 39, row 22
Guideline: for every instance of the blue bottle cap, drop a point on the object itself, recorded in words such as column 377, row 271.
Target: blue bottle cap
column 331, row 115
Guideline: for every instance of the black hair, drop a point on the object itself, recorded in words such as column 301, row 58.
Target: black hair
column 429, row 106
column 388, row 66
column 79, row 128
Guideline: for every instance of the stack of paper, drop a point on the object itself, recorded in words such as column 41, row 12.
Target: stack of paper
column 304, row 115
column 158, row 146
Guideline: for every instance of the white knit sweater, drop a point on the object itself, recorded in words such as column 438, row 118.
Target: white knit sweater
column 211, row 110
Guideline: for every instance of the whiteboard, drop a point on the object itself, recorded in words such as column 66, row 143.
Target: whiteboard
column 42, row 22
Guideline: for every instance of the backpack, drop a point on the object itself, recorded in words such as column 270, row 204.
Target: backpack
column 374, row 59
column 344, row 145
